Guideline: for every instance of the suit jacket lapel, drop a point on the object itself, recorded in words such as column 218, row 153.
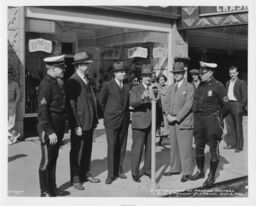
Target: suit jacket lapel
column 117, row 89
column 126, row 92
column 82, row 84
column 236, row 85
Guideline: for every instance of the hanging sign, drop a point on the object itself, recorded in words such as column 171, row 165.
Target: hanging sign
column 137, row 52
column 35, row 45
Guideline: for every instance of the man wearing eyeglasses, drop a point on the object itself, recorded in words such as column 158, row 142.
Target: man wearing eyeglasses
column 210, row 106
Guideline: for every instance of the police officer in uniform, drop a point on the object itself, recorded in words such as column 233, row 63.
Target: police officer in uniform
column 51, row 117
column 210, row 106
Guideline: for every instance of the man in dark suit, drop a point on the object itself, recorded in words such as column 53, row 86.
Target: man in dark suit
column 82, row 111
column 114, row 100
column 237, row 94
column 141, row 124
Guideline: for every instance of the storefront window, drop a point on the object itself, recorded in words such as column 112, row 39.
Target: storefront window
column 107, row 44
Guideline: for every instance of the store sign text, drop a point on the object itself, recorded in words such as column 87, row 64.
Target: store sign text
column 216, row 10
column 40, row 45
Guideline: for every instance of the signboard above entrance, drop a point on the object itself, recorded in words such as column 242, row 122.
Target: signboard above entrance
column 217, row 10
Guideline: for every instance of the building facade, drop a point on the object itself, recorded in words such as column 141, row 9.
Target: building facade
column 135, row 35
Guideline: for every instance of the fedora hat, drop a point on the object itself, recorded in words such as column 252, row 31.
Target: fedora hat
column 178, row 67
column 82, row 57
column 118, row 66
column 146, row 69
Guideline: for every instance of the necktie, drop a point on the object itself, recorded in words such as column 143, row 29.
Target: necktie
column 121, row 85
column 176, row 87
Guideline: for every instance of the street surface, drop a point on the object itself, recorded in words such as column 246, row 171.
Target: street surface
column 24, row 158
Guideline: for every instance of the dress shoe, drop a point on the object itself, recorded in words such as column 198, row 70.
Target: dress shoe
column 45, row 194
column 171, row 173
column 57, row 192
column 185, row 178
column 136, row 178
column 149, row 175
column 122, row 176
column 92, row 179
column 237, row 150
column 209, row 181
column 109, row 180
column 228, row 147
column 78, row 186
column 197, row 176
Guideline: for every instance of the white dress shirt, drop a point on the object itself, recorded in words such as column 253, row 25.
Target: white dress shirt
column 119, row 83
column 231, row 95
column 81, row 75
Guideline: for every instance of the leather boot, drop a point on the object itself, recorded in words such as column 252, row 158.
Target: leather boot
column 44, row 184
column 211, row 177
column 200, row 166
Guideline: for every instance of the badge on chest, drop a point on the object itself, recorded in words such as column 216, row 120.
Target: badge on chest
column 209, row 93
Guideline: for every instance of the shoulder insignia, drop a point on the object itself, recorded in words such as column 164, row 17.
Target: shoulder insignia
column 225, row 99
column 43, row 101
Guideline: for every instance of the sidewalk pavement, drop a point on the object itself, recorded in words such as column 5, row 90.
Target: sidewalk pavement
column 24, row 158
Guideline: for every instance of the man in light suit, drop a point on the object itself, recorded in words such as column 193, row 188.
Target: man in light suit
column 82, row 112
column 141, row 124
column 114, row 100
column 237, row 95
column 179, row 100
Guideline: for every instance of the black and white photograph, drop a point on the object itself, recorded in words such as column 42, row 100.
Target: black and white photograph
column 151, row 102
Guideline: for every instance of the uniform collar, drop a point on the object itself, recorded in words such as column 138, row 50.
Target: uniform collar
column 50, row 78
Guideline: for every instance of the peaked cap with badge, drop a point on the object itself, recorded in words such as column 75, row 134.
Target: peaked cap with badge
column 204, row 66
column 58, row 61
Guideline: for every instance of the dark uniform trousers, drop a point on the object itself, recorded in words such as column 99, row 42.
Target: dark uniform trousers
column 208, row 129
column 141, row 138
column 47, row 168
column 80, row 155
column 51, row 119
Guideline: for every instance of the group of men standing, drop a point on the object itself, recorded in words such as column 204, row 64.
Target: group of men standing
column 190, row 111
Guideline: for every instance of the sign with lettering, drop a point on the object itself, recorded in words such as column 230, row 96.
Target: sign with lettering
column 40, row 45
column 137, row 52
column 217, row 10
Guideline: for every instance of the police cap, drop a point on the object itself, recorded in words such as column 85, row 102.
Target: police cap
column 204, row 66
column 57, row 61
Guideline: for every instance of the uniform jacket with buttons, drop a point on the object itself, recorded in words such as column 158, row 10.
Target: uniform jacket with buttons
column 179, row 104
column 211, row 97
column 51, row 99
